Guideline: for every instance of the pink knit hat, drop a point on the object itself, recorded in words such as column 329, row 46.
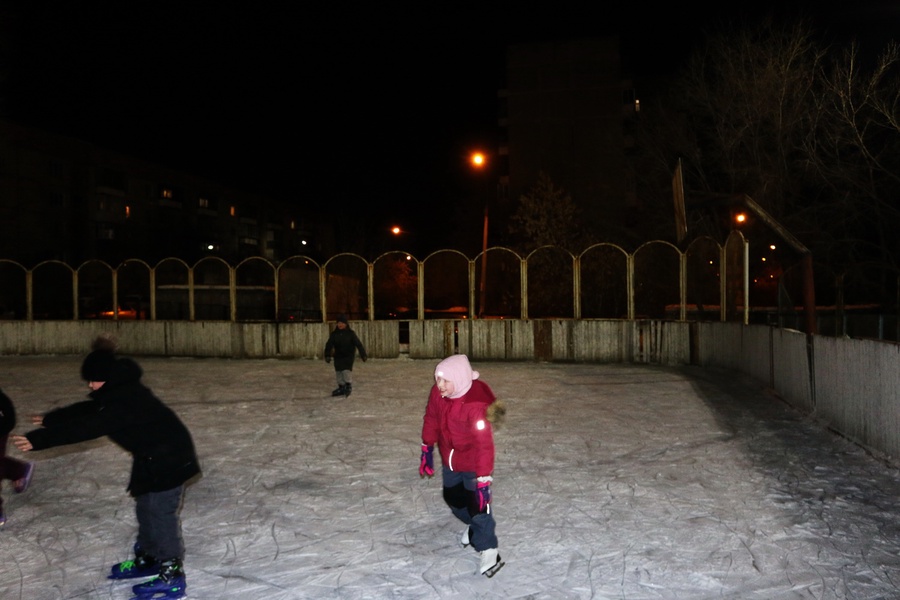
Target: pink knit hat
column 457, row 370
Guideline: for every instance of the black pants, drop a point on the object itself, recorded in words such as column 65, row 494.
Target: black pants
column 159, row 523
column 461, row 497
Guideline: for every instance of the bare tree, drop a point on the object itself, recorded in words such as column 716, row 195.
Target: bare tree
column 811, row 133
column 855, row 154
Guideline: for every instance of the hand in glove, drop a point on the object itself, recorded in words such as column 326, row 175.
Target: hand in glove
column 483, row 491
column 328, row 359
column 426, row 463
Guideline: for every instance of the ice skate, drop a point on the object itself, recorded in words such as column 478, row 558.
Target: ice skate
column 490, row 562
column 2, row 519
column 338, row 391
column 347, row 389
column 464, row 540
column 22, row 484
column 170, row 584
column 141, row 566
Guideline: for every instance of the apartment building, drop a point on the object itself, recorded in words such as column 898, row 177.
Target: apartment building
column 70, row 200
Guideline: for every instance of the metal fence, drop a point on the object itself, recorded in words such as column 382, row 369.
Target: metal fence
column 604, row 281
column 706, row 281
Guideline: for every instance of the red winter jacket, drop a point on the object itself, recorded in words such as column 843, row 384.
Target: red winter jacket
column 460, row 428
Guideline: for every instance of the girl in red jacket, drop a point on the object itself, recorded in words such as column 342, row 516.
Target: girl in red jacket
column 458, row 419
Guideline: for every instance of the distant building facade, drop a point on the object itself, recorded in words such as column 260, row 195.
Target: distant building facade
column 567, row 111
column 70, row 200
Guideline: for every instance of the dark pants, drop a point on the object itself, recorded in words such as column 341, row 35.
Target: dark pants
column 343, row 377
column 10, row 468
column 159, row 523
column 461, row 497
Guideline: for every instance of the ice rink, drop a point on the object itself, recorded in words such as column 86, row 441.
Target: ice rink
column 612, row 482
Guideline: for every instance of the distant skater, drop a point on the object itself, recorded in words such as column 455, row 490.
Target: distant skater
column 10, row 468
column 342, row 344
column 460, row 418
column 163, row 460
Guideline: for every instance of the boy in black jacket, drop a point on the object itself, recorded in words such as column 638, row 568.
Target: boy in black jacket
column 343, row 344
column 163, row 460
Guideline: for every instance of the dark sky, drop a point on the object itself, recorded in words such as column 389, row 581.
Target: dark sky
column 332, row 106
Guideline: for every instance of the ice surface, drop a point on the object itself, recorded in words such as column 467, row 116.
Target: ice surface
column 612, row 482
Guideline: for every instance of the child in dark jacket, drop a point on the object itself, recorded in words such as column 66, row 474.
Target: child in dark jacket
column 10, row 468
column 460, row 418
column 342, row 344
column 163, row 460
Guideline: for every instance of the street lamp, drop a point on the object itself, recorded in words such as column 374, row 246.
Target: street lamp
column 479, row 162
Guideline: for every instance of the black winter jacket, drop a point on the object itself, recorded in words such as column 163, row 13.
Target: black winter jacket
column 344, row 343
column 127, row 411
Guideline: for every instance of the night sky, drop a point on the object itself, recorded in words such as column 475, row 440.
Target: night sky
column 334, row 107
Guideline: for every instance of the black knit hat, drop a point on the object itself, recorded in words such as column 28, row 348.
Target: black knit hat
column 342, row 318
column 98, row 365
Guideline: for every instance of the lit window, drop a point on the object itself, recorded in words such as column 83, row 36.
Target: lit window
column 232, row 211
column 203, row 202
column 166, row 193
column 127, row 211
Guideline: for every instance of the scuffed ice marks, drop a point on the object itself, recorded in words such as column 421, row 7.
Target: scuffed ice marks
column 612, row 481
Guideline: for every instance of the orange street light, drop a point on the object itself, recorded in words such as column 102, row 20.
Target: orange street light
column 479, row 161
column 396, row 230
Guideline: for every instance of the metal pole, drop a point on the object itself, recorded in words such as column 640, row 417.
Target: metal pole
column 746, row 282
column 484, row 246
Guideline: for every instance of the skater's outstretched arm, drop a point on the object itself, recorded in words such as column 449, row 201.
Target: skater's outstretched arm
column 21, row 442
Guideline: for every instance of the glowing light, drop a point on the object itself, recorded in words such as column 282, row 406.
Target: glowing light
column 479, row 425
column 478, row 159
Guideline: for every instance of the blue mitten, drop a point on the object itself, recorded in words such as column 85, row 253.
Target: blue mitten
column 426, row 464
column 483, row 491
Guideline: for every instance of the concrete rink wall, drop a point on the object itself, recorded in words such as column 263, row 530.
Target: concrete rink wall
column 611, row 481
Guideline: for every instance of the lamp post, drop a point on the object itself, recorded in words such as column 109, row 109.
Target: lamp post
column 479, row 162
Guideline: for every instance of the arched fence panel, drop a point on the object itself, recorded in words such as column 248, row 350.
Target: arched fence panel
column 133, row 290
column 13, row 291
column 604, row 282
column 254, row 292
column 395, row 286
column 446, row 283
column 548, row 297
column 95, row 291
column 212, row 291
column 706, row 281
column 498, row 273
column 657, row 273
column 298, row 298
column 174, row 302
column 53, row 291
column 347, row 285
